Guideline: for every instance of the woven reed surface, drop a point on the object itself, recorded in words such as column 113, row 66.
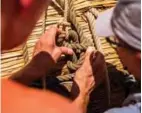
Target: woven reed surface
column 13, row 60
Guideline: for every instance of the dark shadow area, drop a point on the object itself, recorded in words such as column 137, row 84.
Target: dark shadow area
column 53, row 84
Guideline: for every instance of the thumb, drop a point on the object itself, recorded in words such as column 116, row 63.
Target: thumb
column 66, row 50
column 88, row 55
column 61, row 50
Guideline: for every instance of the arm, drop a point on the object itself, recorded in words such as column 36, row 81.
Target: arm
column 81, row 102
column 38, row 67
column 88, row 77
column 84, row 83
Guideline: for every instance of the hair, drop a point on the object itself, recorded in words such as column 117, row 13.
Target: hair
column 128, row 47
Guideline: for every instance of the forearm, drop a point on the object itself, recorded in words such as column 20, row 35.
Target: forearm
column 38, row 67
column 82, row 102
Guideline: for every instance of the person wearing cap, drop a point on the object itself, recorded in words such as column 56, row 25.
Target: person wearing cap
column 123, row 23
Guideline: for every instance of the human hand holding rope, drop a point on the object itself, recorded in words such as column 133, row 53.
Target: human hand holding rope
column 88, row 77
column 45, row 55
column 47, row 43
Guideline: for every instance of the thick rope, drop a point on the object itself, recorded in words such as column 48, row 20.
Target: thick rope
column 75, row 65
column 75, row 21
column 73, row 43
column 78, row 45
column 61, row 2
column 85, row 40
column 57, row 4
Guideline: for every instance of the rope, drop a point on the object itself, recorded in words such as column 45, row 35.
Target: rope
column 85, row 38
column 75, row 45
column 75, row 21
column 74, row 66
column 56, row 4
column 61, row 2
column 65, row 77
column 71, row 39
column 91, row 20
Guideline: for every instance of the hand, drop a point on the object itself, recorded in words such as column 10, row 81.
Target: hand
column 87, row 77
column 47, row 44
column 84, row 80
column 90, row 74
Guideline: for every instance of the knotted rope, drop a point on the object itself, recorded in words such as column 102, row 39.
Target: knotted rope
column 78, row 45
column 70, row 38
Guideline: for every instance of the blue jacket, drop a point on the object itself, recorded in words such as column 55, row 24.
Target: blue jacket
column 132, row 104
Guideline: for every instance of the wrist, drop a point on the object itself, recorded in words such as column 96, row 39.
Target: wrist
column 81, row 102
column 43, row 61
column 83, row 96
column 37, row 68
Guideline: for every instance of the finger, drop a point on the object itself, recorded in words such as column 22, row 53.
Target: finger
column 99, row 63
column 66, row 51
column 61, row 50
column 60, row 31
column 88, row 55
column 50, row 34
column 99, row 60
column 99, row 68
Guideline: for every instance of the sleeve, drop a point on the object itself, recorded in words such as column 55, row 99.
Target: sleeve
column 129, row 109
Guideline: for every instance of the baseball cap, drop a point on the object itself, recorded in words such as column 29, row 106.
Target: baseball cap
column 122, row 21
